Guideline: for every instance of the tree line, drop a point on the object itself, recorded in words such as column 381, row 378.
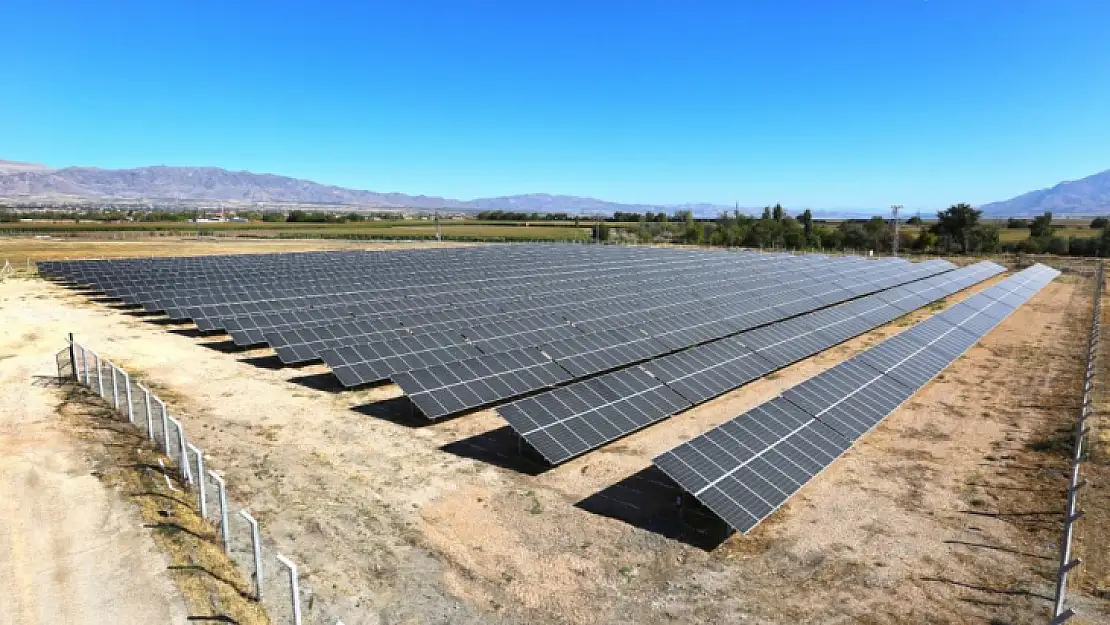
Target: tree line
column 958, row 229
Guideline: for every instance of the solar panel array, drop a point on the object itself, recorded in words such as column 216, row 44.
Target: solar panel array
column 746, row 468
column 462, row 328
column 565, row 422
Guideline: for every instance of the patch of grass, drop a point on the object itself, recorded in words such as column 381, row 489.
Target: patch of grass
column 534, row 507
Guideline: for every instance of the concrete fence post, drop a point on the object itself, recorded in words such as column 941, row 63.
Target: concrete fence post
column 149, row 414
column 182, row 452
column 221, row 488
column 115, row 387
column 202, row 497
column 256, row 548
column 99, row 377
column 294, row 587
column 127, row 397
column 165, row 427
column 84, row 364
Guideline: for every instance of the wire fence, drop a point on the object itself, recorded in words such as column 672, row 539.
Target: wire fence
column 275, row 582
column 1061, row 613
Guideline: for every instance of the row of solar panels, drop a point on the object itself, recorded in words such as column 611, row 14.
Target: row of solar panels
column 571, row 283
column 299, row 293
column 622, row 285
column 252, row 285
column 401, row 268
column 455, row 385
column 568, row 421
column 746, row 468
column 525, row 322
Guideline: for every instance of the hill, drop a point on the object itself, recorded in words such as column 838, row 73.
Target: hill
column 1081, row 198
column 216, row 184
column 11, row 167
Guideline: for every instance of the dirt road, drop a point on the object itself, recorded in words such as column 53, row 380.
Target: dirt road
column 71, row 551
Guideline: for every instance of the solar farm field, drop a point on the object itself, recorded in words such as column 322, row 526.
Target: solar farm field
column 581, row 434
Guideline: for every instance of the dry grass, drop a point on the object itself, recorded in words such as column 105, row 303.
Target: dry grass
column 212, row 586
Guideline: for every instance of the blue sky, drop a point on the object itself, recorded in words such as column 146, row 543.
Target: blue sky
column 826, row 104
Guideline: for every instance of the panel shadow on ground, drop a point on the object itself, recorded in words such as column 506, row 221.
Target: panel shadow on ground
column 652, row 501
column 500, row 447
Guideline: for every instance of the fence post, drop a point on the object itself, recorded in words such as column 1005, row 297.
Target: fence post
column 183, row 454
column 221, row 487
column 201, row 490
column 149, row 415
column 294, row 587
column 256, row 547
column 127, row 394
column 115, row 387
column 72, row 358
column 85, row 361
column 165, row 427
column 99, row 376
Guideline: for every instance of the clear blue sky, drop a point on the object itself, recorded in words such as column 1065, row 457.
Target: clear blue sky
column 822, row 103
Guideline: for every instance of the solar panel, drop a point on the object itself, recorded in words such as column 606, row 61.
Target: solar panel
column 701, row 373
column 593, row 353
column 374, row 362
column 746, row 468
column 573, row 419
column 443, row 390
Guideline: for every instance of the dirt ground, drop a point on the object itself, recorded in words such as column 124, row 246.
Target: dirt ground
column 948, row 513
column 71, row 550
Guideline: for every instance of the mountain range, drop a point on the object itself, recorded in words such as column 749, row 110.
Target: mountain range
column 1084, row 197
column 1088, row 196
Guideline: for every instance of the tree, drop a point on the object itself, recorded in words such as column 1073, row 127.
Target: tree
column 914, row 221
column 1017, row 224
column 807, row 225
column 1041, row 226
column 954, row 225
column 878, row 233
column 854, row 236
column 692, row 233
column 766, row 213
column 778, row 212
column 924, row 241
column 1099, row 222
column 983, row 239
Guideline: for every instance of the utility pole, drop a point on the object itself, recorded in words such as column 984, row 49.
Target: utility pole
column 439, row 236
column 894, row 208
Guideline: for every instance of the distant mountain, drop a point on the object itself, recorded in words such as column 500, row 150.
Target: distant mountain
column 1085, row 197
column 215, row 184
column 11, row 167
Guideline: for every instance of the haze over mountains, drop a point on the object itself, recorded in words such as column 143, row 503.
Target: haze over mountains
column 1088, row 196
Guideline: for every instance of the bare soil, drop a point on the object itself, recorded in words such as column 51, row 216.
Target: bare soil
column 71, row 550
column 949, row 512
